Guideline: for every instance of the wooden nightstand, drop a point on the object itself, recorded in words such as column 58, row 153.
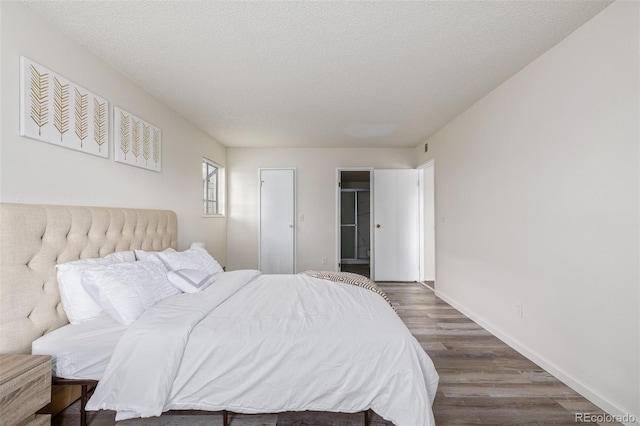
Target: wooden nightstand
column 25, row 387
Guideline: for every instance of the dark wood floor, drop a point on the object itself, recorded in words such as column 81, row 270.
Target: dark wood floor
column 362, row 269
column 482, row 380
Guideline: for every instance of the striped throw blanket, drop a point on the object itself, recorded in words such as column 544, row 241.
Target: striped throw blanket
column 349, row 278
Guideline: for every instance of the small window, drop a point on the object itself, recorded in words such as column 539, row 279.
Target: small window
column 212, row 184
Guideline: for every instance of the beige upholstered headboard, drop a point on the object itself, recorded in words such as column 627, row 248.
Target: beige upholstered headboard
column 34, row 238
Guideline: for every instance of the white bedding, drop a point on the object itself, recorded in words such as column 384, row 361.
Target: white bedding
column 80, row 351
column 255, row 343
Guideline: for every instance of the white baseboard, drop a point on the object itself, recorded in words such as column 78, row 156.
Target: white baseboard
column 424, row 284
column 589, row 393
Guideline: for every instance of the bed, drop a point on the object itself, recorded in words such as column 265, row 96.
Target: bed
column 273, row 343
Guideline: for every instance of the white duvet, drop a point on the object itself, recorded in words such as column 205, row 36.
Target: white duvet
column 255, row 343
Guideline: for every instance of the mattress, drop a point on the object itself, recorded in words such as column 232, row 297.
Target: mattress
column 80, row 351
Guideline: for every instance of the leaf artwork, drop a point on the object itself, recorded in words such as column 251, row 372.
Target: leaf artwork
column 82, row 115
column 136, row 143
column 156, row 146
column 99, row 123
column 124, row 134
column 136, row 136
column 60, row 106
column 55, row 110
column 39, row 95
column 146, row 143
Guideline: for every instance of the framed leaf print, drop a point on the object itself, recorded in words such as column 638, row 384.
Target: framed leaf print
column 136, row 141
column 58, row 111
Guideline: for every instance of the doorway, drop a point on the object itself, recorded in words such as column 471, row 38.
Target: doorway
column 277, row 221
column 354, row 221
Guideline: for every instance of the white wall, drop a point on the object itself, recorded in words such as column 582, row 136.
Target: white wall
column 316, row 197
column 36, row 172
column 428, row 222
column 537, row 191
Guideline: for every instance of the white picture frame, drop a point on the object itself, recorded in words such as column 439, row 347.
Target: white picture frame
column 58, row 111
column 136, row 141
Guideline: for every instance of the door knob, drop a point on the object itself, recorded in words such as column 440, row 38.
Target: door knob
column 377, row 225
column 290, row 225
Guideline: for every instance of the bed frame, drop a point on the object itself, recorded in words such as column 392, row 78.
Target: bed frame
column 34, row 238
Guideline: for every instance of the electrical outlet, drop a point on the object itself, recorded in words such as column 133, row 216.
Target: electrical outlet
column 519, row 311
column 325, row 260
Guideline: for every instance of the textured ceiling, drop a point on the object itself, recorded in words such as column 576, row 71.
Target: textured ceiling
column 318, row 74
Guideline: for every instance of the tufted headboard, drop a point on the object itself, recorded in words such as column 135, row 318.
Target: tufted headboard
column 34, row 238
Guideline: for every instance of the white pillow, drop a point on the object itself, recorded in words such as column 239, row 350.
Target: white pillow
column 126, row 290
column 191, row 280
column 154, row 256
column 149, row 255
column 193, row 258
column 77, row 303
column 197, row 257
column 210, row 263
column 119, row 257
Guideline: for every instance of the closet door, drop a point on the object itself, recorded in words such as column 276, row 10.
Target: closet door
column 277, row 221
column 396, row 215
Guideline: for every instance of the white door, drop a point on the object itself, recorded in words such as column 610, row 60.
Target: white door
column 397, row 226
column 277, row 221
